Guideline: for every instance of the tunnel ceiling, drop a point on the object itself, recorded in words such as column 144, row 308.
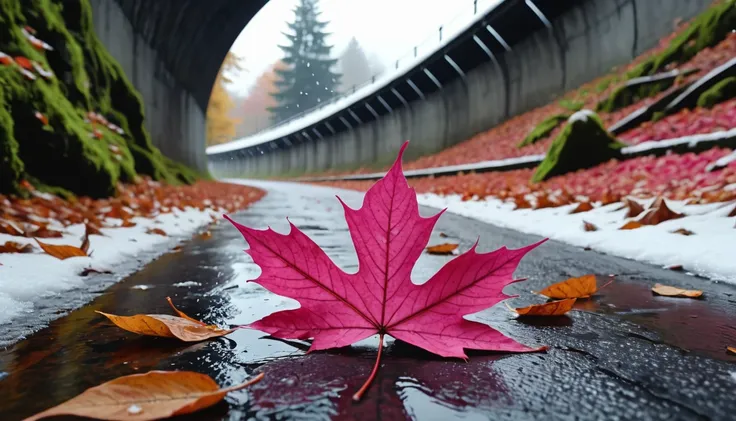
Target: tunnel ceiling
column 191, row 36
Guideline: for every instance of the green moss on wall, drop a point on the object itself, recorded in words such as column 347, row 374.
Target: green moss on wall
column 543, row 129
column 64, row 154
column 721, row 91
column 584, row 143
column 707, row 30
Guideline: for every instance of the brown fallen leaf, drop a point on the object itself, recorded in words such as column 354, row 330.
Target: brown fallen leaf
column 442, row 249
column 635, row 208
column 45, row 233
column 582, row 207
column 732, row 213
column 157, row 231
column 443, row 235
column 631, row 225
column 148, row 396
column 587, row 226
column 676, row 268
column 7, row 227
column 582, row 287
column 553, row 308
column 177, row 249
column 658, row 213
column 683, row 231
column 13, row 247
column 731, row 349
column 184, row 315
column 127, row 224
column 205, row 235
column 91, row 229
column 183, row 327
column 669, row 291
column 61, row 252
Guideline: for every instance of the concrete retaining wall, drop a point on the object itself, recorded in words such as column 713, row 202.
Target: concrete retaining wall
column 174, row 119
column 586, row 42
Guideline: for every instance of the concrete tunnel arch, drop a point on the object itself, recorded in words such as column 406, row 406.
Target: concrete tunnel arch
column 171, row 50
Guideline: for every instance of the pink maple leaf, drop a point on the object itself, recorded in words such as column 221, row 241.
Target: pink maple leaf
column 339, row 309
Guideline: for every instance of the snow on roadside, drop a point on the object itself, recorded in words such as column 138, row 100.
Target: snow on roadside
column 28, row 278
column 708, row 253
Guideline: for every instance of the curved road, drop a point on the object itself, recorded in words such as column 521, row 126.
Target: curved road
column 624, row 354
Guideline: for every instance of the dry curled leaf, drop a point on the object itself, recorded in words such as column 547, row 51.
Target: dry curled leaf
column 13, row 247
column 148, row 396
column 157, row 231
column 669, row 291
column 587, row 226
column 553, row 308
column 582, row 287
column 631, row 225
column 634, row 208
column 582, row 207
column 442, row 249
column 658, row 213
column 683, row 231
column 61, row 252
column 182, row 327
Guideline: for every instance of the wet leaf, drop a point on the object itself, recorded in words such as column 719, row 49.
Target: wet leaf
column 683, row 231
column 676, row 268
column 443, row 235
column 553, row 308
column 181, row 327
column 339, row 309
column 61, row 252
column 658, row 213
column 669, row 291
column 631, row 225
column 582, row 287
column 442, row 249
column 587, row 226
column 13, row 247
column 582, row 207
column 157, row 231
column 148, row 396
column 205, row 235
column 184, row 315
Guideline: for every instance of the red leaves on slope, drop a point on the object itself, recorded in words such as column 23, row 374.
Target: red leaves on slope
column 338, row 309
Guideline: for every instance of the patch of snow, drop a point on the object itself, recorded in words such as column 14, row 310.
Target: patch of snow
column 723, row 162
column 28, row 278
column 458, row 26
column 691, row 141
column 187, row 284
column 709, row 252
column 581, row 115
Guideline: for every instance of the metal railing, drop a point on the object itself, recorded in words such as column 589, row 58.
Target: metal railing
column 430, row 44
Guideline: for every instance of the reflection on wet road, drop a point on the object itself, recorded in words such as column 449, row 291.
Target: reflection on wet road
column 625, row 354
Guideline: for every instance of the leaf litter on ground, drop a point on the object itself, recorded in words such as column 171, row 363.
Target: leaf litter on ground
column 339, row 309
column 147, row 396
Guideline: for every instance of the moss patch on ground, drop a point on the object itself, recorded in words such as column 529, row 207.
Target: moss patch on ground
column 707, row 30
column 584, row 143
column 720, row 92
column 543, row 129
column 64, row 153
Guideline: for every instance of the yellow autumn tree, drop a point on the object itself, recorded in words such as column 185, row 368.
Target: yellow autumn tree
column 220, row 124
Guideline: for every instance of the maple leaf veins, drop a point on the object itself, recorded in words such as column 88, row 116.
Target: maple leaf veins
column 338, row 309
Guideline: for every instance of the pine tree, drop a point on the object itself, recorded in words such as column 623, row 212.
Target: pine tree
column 355, row 67
column 309, row 79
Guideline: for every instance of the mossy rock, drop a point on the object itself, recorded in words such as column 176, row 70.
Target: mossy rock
column 63, row 155
column 543, row 129
column 720, row 92
column 706, row 30
column 625, row 95
column 573, row 104
column 583, row 143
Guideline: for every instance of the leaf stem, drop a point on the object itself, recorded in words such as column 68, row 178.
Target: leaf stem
column 359, row 394
column 254, row 380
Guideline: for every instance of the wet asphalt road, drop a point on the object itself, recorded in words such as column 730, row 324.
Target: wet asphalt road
column 623, row 355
